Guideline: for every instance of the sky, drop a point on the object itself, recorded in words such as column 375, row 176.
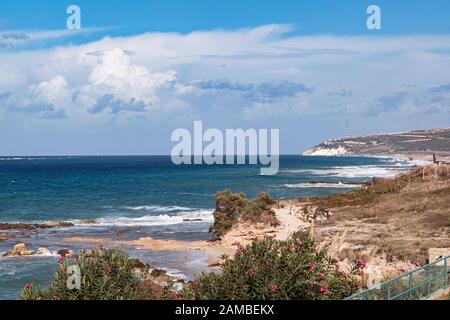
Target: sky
column 137, row 70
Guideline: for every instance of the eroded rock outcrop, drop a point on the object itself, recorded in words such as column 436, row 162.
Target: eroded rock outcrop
column 44, row 251
column 66, row 253
column 19, row 250
column 27, row 226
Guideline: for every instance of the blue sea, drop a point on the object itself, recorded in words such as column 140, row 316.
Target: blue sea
column 138, row 196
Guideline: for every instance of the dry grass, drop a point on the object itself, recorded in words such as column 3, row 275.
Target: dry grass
column 401, row 217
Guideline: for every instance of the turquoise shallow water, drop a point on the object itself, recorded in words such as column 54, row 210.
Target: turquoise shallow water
column 147, row 196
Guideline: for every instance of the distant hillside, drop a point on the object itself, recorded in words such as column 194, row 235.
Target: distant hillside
column 414, row 143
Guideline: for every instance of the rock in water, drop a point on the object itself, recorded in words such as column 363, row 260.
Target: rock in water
column 44, row 251
column 90, row 221
column 59, row 223
column 19, row 250
column 139, row 264
column 158, row 272
column 66, row 253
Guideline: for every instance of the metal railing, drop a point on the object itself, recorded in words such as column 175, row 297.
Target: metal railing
column 416, row 284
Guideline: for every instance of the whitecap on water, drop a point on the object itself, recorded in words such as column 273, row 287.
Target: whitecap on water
column 199, row 215
column 368, row 171
column 322, row 185
column 156, row 208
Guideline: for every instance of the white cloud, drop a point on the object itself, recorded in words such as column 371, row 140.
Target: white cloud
column 114, row 74
column 54, row 91
column 156, row 71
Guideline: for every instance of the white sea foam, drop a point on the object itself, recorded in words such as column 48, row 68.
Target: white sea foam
column 419, row 162
column 199, row 215
column 34, row 255
column 366, row 171
column 11, row 159
column 155, row 208
column 403, row 162
column 157, row 215
column 323, row 185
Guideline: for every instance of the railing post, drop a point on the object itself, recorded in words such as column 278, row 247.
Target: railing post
column 410, row 285
column 389, row 290
column 429, row 280
column 446, row 272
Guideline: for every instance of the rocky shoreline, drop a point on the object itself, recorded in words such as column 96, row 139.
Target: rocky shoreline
column 19, row 230
column 29, row 226
column 157, row 278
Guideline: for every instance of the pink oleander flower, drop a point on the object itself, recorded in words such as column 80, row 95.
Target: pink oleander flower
column 321, row 276
column 361, row 264
column 324, row 289
column 273, row 288
column 242, row 250
column 251, row 272
column 312, row 266
column 61, row 260
column 28, row 286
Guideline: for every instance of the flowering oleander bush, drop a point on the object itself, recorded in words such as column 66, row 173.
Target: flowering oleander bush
column 265, row 269
column 106, row 274
column 231, row 207
column 271, row 269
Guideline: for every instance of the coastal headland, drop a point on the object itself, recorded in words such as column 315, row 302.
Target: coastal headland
column 413, row 145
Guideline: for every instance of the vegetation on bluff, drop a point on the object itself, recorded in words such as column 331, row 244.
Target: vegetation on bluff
column 234, row 207
column 401, row 218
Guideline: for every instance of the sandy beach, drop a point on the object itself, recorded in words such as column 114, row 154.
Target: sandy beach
column 242, row 234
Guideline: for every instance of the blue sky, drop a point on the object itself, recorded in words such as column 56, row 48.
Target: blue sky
column 311, row 17
column 139, row 69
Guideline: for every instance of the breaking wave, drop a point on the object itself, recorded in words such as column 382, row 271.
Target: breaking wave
column 369, row 171
column 323, row 185
column 192, row 216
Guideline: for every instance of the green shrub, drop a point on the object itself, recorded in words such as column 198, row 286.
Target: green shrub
column 259, row 210
column 231, row 207
column 106, row 274
column 263, row 198
column 271, row 269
